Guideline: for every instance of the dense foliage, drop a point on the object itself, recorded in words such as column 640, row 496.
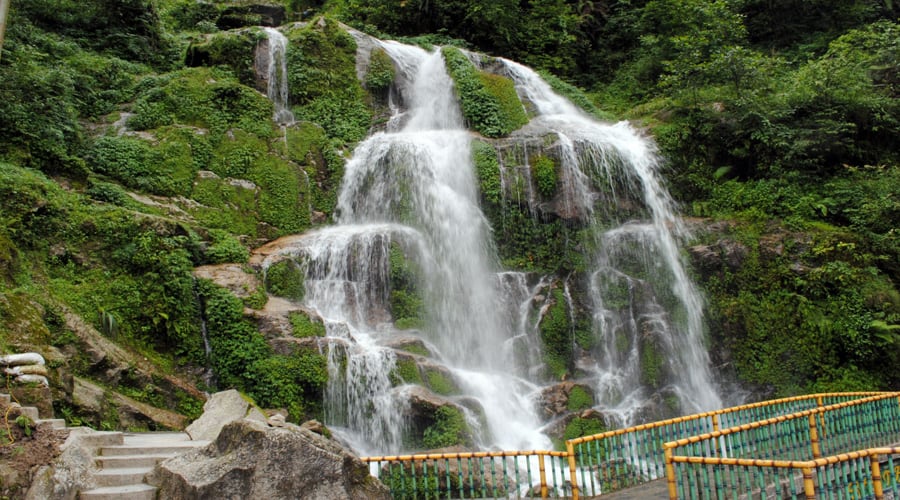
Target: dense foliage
column 133, row 148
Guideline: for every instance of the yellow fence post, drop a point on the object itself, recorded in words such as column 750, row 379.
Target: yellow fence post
column 715, row 421
column 814, row 437
column 543, row 472
column 573, row 474
column 876, row 477
column 670, row 474
column 809, row 486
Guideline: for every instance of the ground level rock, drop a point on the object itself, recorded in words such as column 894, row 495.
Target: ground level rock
column 249, row 459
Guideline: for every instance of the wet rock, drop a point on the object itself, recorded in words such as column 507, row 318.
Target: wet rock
column 252, row 460
column 554, row 400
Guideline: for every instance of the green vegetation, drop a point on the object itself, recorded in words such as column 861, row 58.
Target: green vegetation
column 449, row 429
column 440, row 383
column 407, row 372
column 381, row 70
column 556, row 335
column 543, row 171
column 133, row 148
column 578, row 427
column 406, row 303
column 241, row 358
column 579, row 399
column 285, row 279
column 489, row 102
column 304, row 326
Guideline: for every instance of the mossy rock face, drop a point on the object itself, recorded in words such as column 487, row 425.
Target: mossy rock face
column 303, row 325
column 381, row 73
column 235, row 49
column 489, row 102
column 286, row 279
column 23, row 322
column 556, row 335
column 322, row 80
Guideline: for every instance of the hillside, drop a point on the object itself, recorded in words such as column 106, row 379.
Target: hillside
column 145, row 188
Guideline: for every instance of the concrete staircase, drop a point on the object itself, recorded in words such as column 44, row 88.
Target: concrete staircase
column 123, row 459
column 126, row 459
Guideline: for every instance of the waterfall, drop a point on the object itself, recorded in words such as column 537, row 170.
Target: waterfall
column 637, row 257
column 410, row 192
column 277, row 76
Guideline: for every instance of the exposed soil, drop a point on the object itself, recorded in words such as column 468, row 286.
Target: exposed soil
column 23, row 449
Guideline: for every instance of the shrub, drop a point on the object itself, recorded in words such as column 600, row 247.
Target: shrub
column 286, row 279
column 489, row 102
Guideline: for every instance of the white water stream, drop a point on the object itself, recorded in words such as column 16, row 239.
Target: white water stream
column 277, row 76
column 638, row 256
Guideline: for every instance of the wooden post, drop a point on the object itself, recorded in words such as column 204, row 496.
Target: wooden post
column 4, row 10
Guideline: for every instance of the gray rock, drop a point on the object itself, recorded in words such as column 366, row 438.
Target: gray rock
column 252, row 460
column 221, row 409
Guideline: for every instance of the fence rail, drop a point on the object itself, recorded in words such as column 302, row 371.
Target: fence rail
column 782, row 457
column 499, row 474
column 623, row 458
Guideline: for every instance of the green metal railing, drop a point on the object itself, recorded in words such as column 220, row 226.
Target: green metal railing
column 782, row 457
column 623, row 458
column 628, row 457
column 500, row 474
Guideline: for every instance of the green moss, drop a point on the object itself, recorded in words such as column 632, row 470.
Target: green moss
column 651, row 365
column 225, row 248
column 286, row 279
column 234, row 49
column 406, row 303
column 579, row 399
column 242, row 359
column 322, row 80
column 487, row 168
column 209, row 98
column 449, row 429
column 304, row 326
column 408, row 372
column 489, row 102
column 556, row 335
column 543, row 172
column 228, row 206
column 381, row 72
column 256, row 299
column 439, row 383
column 579, row 427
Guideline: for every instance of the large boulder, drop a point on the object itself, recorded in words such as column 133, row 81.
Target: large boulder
column 221, row 409
column 249, row 459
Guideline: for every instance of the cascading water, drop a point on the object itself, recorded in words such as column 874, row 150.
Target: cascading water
column 411, row 191
column 277, row 84
column 636, row 259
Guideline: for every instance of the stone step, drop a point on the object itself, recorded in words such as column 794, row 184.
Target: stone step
column 30, row 412
column 5, row 398
column 98, row 439
column 137, row 450
column 121, row 477
column 55, row 423
column 130, row 461
column 129, row 492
